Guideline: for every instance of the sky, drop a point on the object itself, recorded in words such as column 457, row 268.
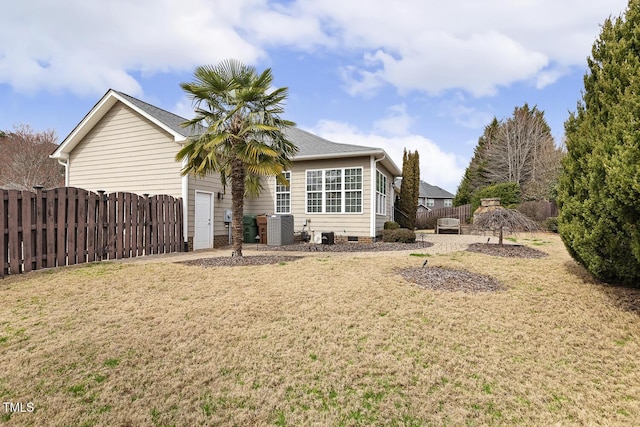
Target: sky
column 425, row 75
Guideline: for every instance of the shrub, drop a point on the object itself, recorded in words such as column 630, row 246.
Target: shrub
column 551, row 224
column 401, row 235
column 391, row 225
column 538, row 210
column 508, row 192
column 427, row 223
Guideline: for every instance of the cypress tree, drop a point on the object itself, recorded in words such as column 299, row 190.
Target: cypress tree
column 599, row 189
column 409, row 189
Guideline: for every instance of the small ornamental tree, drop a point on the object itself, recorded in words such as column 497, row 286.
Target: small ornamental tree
column 500, row 220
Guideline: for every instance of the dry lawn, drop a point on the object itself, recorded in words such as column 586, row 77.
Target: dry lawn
column 331, row 339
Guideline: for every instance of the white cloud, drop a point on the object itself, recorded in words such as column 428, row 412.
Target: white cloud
column 397, row 123
column 437, row 167
column 462, row 114
column 432, row 46
column 86, row 47
column 424, row 45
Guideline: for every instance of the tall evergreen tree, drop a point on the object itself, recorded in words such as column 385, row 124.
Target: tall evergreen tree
column 475, row 176
column 409, row 189
column 599, row 187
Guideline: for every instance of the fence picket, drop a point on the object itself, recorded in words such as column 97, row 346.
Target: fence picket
column 14, row 236
column 81, row 229
column 27, row 235
column 72, row 195
column 51, row 227
column 67, row 225
column 4, row 238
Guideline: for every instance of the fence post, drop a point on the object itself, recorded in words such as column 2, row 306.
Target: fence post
column 3, row 236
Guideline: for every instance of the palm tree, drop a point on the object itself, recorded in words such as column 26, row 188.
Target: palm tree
column 242, row 135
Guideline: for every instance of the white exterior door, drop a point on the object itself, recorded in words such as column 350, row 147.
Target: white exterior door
column 203, row 236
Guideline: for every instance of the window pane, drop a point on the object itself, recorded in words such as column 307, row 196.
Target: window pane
column 333, row 180
column 314, row 202
column 283, row 203
column 282, row 188
column 314, row 180
column 353, row 179
column 353, row 201
column 334, row 201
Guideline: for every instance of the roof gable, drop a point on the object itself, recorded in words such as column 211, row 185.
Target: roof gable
column 167, row 121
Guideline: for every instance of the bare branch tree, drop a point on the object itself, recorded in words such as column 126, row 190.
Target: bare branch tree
column 24, row 159
column 524, row 152
column 500, row 220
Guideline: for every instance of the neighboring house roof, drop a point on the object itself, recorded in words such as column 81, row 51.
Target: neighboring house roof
column 433, row 191
column 429, row 191
column 310, row 146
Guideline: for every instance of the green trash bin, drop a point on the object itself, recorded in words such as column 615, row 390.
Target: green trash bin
column 249, row 228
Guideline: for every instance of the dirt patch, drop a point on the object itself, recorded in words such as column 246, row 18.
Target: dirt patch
column 238, row 261
column 444, row 279
column 349, row 247
column 506, row 251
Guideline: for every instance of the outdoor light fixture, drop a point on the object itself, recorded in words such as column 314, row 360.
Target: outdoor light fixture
column 220, row 195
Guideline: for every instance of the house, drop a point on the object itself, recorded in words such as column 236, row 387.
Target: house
column 125, row 144
column 431, row 197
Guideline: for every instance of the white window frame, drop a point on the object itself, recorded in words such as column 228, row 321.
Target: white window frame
column 343, row 187
column 283, row 190
column 448, row 203
column 430, row 203
column 381, row 196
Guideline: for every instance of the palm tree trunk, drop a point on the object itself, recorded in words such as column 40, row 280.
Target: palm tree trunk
column 237, row 204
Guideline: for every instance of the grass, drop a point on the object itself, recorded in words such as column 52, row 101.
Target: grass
column 337, row 340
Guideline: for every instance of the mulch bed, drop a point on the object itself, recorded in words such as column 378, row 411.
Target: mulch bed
column 349, row 247
column 444, row 279
column 507, row 251
column 238, row 261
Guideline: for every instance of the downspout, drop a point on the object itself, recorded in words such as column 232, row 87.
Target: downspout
column 185, row 203
column 65, row 162
column 374, row 163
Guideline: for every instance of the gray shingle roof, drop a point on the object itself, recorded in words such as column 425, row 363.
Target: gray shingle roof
column 433, row 191
column 309, row 145
column 171, row 120
column 429, row 191
column 312, row 145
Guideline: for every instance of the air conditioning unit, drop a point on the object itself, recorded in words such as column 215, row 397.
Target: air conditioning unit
column 279, row 230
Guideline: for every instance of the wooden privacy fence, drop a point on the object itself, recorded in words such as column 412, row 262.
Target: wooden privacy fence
column 67, row 225
column 463, row 213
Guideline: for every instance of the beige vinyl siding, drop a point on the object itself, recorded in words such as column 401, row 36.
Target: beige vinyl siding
column 210, row 184
column 126, row 152
column 381, row 219
column 265, row 203
column 344, row 224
